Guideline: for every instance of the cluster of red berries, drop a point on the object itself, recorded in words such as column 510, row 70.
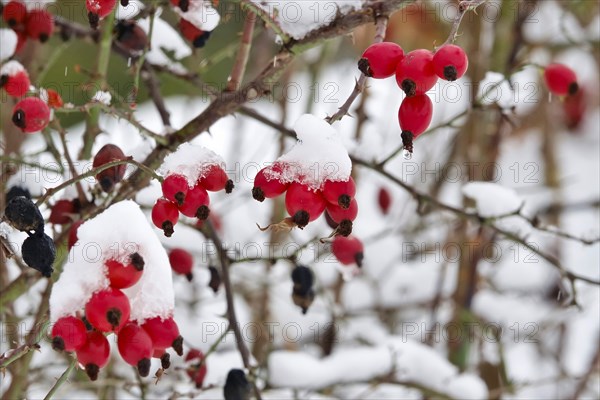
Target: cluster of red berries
column 304, row 204
column 416, row 73
column 562, row 81
column 36, row 24
column 191, row 201
column 108, row 311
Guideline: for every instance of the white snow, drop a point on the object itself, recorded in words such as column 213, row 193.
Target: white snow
column 164, row 38
column 492, row 200
column 115, row 234
column 202, row 14
column 191, row 161
column 318, row 156
column 11, row 68
column 102, row 97
column 38, row 4
column 8, row 43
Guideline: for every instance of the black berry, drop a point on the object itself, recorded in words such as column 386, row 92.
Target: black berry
column 17, row 191
column 39, row 253
column 236, row 386
column 24, row 215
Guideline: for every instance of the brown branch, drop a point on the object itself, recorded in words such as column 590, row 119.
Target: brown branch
column 153, row 85
column 241, row 60
column 463, row 7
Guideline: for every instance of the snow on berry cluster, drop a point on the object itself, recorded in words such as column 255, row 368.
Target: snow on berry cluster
column 190, row 173
column 314, row 175
column 117, row 280
column 416, row 72
column 198, row 19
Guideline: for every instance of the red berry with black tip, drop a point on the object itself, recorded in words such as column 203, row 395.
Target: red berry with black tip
column 14, row 79
column 68, row 334
column 175, row 187
column 164, row 333
column 197, row 370
column 560, row 79
column 348, row 250
column 304, row 204
column 182, row 262
column 62, row 212
column 98, row 9
column 108, row 310
column 14, row 13
column 343, row 216
column 165, row 215
column 135, row 346
column 266, row 186
column 215, row 179
column 109, row 177
column 121, row 275
column 339, row 193
column 450, row 62
column 39, row 25
column 196, row 203
column 94, row 354
column 31, row 115
column 414, row 117
column 191, row 32
column 380, row 60
column 384, row 199
column 415, row 74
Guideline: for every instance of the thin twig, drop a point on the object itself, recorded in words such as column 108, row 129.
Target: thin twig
column 463, row 7
column 63, row 378
column 241, row 60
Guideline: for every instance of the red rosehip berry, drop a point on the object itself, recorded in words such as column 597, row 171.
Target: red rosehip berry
column 267, row 187
column 560, row 79
column 181, row 262
column 450, row 62
column 14, row 13
column 94, row 354
column 415, row 74
column 215, row 179
column 73, row 234
column 414, row 117
column 191, row 32
column 54, row 99
column 196, row 203
column 175, row 187
column 62, row 212
column 121, row 275
column 14, row 79
column 31, row 115
column 380, row 60
column 348, row 250
column 303, row 204
column 182, row 4
column 339, row 193
column 197, row 370
column 108, row 178
column 108, row 310
column 98, row 9
column 135, row 346
column 68, row 334
column 384, row 199
column 39, row 25
column 164, row 333
column 165, row 216
column 343, row 216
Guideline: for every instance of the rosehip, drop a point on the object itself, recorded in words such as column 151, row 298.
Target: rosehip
column 192, row 33
column 122, row 276
column 63, row 211
column 450, row 62
column 265, row 186
column 108, row 310
column 39, row 253
column 40, row 25
column 14, row 79
column 165, row 216
column 415, row 74
column 339, row 192
column 343, row 217
column 174, row 188
column 303, row 204
column 196, row 203
column 98, row 9
column 135, row 346
column 414, row 117
column 182, row 262
column 348, row 250
column 94, row 354
column 384, row 199
column 164, row 333
column 380, row 60
column 196, row 371
column 68, row 334
column 113, row 175
column 31, row 115
column 22, row 214
column 182, row 4
column 560, row 79
column 216, row 179
column 14, row 13
column 73, row 233
column 236, row 386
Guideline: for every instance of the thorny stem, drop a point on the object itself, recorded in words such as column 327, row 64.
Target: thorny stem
column 63, row 378
column 239, row 67
column 463, row 7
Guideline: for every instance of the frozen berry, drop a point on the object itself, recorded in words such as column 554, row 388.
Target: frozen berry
column 560, row 79
column 182, row 262
column 130, row 36
column 15, row 191
column 121, row 275
column 63, row 211
column 197, row 370
column 380, row 60
column 450, row 62
column 31, row 115
column 39, row 252
column 14, row 79
column 98, row 9
column 182, row 4
column 108, row 178
column 384, row 199
column 164, row 333
column 266, row 185
column 215, row 279
column 236, row 386
column 348, row 250
column 343, row 217
column 135, row 346
column 303, row 204
column 215, row 179
column 302, row 292
column 94, row 354
column 192, row 33
column 14, row 13
column 23, row 215
column 175, row 187
column 196, row 203
column 165, row 216
column 415, row 74
column 108, row 310
column 73, row 234
column 68, row 334
column 40, row 25
column 414, row 117
column 339, row 192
